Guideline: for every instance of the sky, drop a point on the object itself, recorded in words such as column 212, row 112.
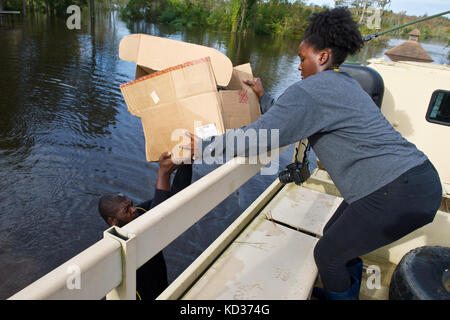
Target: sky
column 412, row 7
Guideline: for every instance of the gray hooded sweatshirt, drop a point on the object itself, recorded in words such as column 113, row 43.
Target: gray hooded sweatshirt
column 359, row 148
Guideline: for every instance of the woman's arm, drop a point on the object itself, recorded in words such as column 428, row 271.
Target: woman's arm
column 265, row 100
column 294, row 116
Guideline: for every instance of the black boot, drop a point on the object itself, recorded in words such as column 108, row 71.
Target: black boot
column 351, row 293
column 355, row 268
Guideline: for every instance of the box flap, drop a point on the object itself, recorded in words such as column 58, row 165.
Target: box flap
column 169, row 85
column 129, row 47
column 160, row 53
column 240, row 73
column 246, row 68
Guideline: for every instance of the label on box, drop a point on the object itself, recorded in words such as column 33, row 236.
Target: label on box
column 154, row 97
column 206, row 131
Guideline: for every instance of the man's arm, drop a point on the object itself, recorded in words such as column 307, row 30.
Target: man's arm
column 182, row 178
column 162, row 189
column 166, row 167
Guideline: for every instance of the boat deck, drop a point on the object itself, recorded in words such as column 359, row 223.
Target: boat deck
column 272, row 257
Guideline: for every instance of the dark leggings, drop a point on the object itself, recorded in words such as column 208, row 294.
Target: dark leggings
column 384, row 216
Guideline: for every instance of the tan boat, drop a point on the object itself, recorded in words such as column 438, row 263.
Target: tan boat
column 267, row 253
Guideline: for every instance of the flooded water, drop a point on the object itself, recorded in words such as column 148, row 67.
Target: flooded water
column 66, row 138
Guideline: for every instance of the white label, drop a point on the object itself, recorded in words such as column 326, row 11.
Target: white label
column 447, row 188
column 206, row 131
column 154, row 97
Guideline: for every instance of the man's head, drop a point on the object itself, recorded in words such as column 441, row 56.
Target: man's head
column 116, row 209
column 329, row 38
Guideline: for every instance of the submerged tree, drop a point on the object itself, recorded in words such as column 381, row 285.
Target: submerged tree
column 242, row 10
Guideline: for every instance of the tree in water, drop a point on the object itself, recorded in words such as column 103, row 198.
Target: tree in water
column 242, row 10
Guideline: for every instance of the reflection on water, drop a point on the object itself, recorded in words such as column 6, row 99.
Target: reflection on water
column 66, row 138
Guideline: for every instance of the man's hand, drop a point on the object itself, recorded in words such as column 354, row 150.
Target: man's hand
column 256, row 86
column 166, row 164
column 166, row 167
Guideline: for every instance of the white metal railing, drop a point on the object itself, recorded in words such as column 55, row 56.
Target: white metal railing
column 108, row 268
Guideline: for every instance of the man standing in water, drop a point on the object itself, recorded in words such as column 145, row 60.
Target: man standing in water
column 118, row 210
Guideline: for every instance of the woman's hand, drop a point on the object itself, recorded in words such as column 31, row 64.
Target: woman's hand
column 256, row 86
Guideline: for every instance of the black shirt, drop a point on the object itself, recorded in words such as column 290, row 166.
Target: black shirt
column 151, row 278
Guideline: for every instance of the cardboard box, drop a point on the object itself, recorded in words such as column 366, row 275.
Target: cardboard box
column 184, row 96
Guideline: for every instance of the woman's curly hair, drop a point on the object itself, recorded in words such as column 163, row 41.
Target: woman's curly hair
column 334, row 29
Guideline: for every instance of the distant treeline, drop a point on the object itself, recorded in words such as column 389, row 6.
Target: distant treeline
column 281, row 17
column 56, row 7
column 51, row 7
column 262, row 17
column 436, row 28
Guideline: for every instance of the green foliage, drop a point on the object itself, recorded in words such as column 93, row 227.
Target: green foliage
column 177, row 12
column 221, row 19
column 54, row 7
column 135, row 9
column 281, row 17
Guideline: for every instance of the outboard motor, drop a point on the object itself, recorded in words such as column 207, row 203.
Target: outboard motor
column 369, row 80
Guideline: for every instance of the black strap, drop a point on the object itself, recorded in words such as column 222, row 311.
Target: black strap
column 305, row 154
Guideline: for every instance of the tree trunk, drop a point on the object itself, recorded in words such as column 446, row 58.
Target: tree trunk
column 92, row 9
column 24, row 5
column 241, row 14
column 236, row 7
column 363, row 12
column 1, row 16
column 243, row 17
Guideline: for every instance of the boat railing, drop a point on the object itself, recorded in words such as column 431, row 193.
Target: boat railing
column 108, row 268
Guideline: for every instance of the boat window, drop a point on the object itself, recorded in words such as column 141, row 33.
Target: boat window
column 439, row 108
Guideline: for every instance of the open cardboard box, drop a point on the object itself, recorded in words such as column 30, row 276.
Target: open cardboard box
column 175, row 89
